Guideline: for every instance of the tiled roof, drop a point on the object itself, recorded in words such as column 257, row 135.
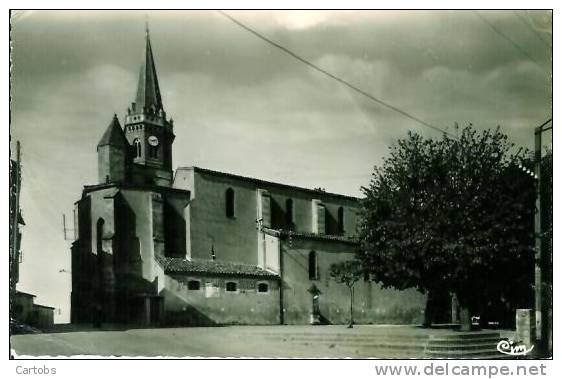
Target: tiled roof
column 146, row 187
column 183, row 266
column 312, row 236
column 43, row 306
column 261, row 182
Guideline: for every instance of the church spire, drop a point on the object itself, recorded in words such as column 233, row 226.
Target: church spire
column 147, row 129
column 148, row 98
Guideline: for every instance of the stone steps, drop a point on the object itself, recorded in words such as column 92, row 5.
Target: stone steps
column 453, row 342
column 475, row 354
column 347, row 337
column 365, row 344
column 465, row 336
column 464, row 346
column 458, row 347
column 454, row 345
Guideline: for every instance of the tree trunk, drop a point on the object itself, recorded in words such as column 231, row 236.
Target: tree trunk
column 454, row 309
column 428, row 313
column 465, row 319
column 351, row 308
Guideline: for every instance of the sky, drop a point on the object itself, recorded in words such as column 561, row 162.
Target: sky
column 243, row 106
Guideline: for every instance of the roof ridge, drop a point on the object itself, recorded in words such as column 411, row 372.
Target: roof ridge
column 268, row 182
column 310, row 235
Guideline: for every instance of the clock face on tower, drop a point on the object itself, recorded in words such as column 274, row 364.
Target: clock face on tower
column 153, row 141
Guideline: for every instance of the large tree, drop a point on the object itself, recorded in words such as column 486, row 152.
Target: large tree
column 453, row 216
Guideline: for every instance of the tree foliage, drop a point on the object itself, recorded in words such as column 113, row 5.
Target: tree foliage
column 346, row 272
column 451, row 214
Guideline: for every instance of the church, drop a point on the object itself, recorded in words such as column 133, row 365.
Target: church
column 198, row 247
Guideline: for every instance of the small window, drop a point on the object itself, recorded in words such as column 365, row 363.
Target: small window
column 263, row 287
column 194, row 285
column 138, row 148
column 99, row 236
column 231, row 286
column 340, row 221
column 312, row 266
column 229, row 203
column 289, row 213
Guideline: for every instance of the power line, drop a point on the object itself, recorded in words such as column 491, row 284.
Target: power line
column 531, row 28
column 334, row 77
column 507, row 38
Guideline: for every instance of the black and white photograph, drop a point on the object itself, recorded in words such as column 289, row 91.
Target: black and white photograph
column 292, row 184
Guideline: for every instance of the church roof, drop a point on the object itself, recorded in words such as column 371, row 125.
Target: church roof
column 148, row 91
column 21, row 293
column 266, row 183
column 113, row 135
column 183, row 266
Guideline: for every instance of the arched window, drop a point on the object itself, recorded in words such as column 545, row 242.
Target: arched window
column 138, row 148
column 289, row 221
column 193, row 285
column 153, row 151
column 231, row 286
column 263, row 287
column 312, row 266
column 340, row 220
column 99, row 235
column 229, row 203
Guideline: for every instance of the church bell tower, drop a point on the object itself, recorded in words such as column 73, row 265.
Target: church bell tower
column 149, row 133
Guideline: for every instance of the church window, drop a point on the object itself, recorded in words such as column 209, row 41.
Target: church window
column 289, row 219
column 194, row 285
column 99, row 235
column 263, row 287
column 229, row 203
column 340, row 220
column 152, row 151
column 231, row 287
column 138, row 148
column 313, row 266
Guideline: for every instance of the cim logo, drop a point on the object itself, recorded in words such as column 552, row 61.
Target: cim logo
column 510, row 347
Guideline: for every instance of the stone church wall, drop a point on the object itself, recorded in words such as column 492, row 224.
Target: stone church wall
column 234, row 238
column 372, row 304
column 211, row 304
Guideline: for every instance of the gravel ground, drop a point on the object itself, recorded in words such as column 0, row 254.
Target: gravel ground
column 231, row 341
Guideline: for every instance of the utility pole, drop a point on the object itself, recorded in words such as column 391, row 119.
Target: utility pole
column 15, row 226
column 14, row 251
column 538, row 233
column 65, row 229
